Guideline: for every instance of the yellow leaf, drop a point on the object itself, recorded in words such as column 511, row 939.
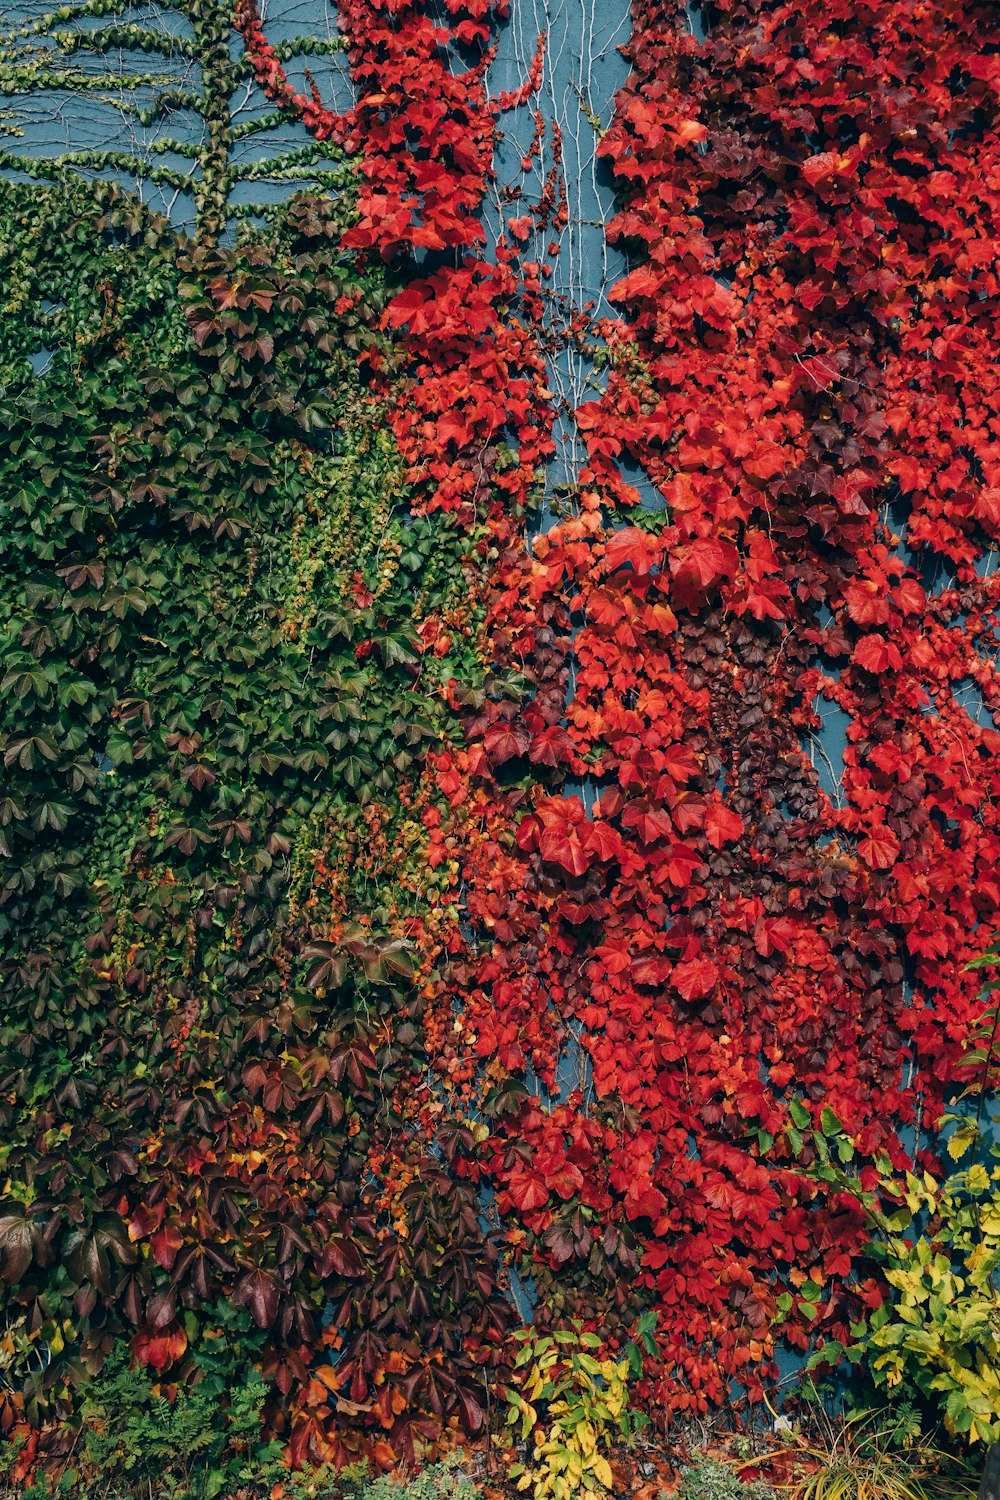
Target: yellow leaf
column 602, row 1472
column 961, row 1139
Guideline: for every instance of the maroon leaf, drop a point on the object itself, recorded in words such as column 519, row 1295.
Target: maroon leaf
column 259, row 1292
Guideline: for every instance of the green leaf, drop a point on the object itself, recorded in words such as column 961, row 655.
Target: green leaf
column 799, row 1113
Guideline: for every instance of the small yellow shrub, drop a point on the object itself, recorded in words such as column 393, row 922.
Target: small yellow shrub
column 573, row 1402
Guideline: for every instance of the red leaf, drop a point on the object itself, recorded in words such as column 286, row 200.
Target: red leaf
column 867, row 603
column 340, row 1256
column 160, row 1348
column 561, row 839
column 682, row 864
column 505, row 741
column 879, row 848
column 629, row 548
column 722, row 826
column 259, row 1292
column 876, row 654
column 910, row 596
column 527, row 1191
column 552, row 747
column 470, row 1412
column 145, row 1220
column 698, row 567
column 650, row 823
column 165, row 1244
column 695, row 978
column 17, row 1240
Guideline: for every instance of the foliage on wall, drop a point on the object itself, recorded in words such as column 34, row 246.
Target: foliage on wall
column 739, row 943
column 158, row 99
column 221, row 897
column 350, row 804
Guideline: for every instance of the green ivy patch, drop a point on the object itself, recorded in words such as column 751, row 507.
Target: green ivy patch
column 216, row 716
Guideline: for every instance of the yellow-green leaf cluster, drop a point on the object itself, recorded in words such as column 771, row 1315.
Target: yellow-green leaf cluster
column 940, row 1332
column 573, row 1402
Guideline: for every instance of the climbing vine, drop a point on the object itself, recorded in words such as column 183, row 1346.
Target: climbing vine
column 222, row 894
column 170, row 108
column 423, row 885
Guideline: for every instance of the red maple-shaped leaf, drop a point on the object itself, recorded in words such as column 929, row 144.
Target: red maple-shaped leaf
column 876, row 654
column 698, row 568
column 722, row 826
column 650, row 823
column 604, row 841
column 566, row 1181
column 551, row 747
column 630, row 548
column 682, row 864
column 695, row 979
column 867, row 603
column 563, row 835
column 506, row 741
column 879, row 848
column 561, row 845
column 651, row 969
column 527, row 1191
column 910, row 596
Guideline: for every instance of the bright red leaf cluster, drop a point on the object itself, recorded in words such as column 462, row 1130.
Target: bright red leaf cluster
column 424, row 131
